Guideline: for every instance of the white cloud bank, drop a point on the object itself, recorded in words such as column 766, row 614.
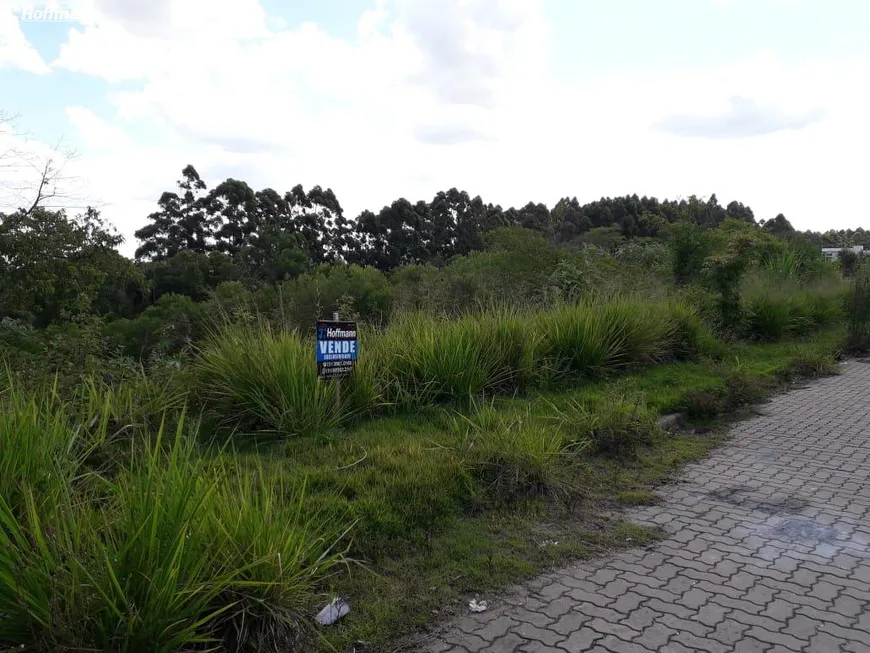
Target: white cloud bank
column 438, row 93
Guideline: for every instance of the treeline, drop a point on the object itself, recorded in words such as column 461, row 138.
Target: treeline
column 60, row 269
column 272, row 235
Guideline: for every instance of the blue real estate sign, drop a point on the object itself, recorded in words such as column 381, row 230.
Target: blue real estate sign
column 337, row 349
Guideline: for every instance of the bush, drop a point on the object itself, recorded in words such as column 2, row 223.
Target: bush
column 361, row 293
column 171, row 326
column 57, row 355
column 515, row 270
column 689, row 245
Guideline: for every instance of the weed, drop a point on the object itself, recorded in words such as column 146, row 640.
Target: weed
column 703, row 405
column 638, row 498
column 810, row 363
column 615, row 426
column 512, row 456
column 742, row 388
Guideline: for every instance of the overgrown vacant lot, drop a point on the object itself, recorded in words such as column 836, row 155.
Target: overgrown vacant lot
column 130, row 522
column 175, row 477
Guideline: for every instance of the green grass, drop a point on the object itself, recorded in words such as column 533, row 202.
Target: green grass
column 174, row 549
column 496, row 518
column 774, row 310
column 858, row 311
column 259, row 379
column 253, row 378
column 121, row 529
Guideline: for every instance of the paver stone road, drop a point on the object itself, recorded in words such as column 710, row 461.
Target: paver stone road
column 768, row 550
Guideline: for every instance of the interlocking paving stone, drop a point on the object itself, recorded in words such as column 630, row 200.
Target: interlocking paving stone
column 767, row 549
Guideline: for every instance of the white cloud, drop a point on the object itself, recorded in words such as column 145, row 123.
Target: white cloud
column 94, row 132
column 430, row 95
column 15, row 51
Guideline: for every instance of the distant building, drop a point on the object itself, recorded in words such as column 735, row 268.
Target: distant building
column 833, row 253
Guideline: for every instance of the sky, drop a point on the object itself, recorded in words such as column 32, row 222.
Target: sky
column 761, row 101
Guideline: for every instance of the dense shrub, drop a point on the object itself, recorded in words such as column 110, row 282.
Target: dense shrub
column 690, row 245
column 170, row 326
column 59, row 354
column 514, row 270
column 356, row 292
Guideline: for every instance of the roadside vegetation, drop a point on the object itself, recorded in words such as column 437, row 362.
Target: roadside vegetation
column 173, row 475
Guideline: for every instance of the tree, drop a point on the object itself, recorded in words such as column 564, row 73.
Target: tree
column 849, row 262
column 192, row 274
column 274, row 255
column 741, row 246
column 396, row 236
column 318, row 216
column 34, row 177
column 534, row 216
column 737, row 211
column 569, row 220
column 779, row 226
column 456, row 224
column 181, row 223
column 53, row 267
column 231, row 207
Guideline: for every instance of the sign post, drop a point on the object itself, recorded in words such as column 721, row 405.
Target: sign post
column 337, row 348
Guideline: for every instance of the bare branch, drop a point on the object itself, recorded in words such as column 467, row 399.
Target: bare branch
column 33, row 176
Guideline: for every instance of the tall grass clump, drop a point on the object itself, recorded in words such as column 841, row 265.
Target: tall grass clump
column 614, row 426
column 591, row 338
column 511, row 456
column 282, row 552
column 424, row 359
column 176, row 552
column 774, row 310
column 263, row 379
column 857, row 306
column 141, row 400
column 44, row 446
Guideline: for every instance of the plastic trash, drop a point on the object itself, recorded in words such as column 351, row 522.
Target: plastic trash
column 333, row 611
column 478, row 606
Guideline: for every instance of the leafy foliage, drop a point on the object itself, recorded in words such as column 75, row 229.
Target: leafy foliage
column 53, row 268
